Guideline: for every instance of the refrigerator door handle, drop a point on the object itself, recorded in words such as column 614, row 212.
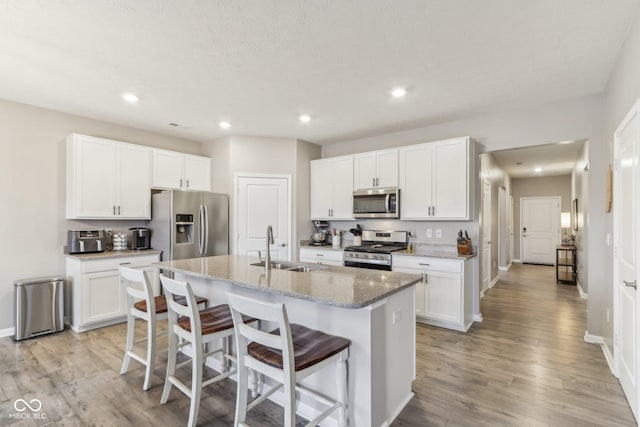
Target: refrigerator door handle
column 201, row 231
column 206, row 231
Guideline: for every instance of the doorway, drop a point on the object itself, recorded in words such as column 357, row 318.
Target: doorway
column 486, row 235
column 540, row 229
column 503, row 230
column 262, row 200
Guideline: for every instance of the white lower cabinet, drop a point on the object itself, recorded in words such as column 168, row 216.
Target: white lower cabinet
column 322, row 256
column 95, row 295
column 444, row 297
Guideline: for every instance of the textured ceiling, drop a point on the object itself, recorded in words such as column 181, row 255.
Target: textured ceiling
column 554, row 159
column 260, row 64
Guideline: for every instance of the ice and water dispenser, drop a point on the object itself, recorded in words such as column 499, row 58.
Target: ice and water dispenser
column 184, row 228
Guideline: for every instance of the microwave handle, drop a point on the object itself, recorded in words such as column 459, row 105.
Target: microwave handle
column 387, row 203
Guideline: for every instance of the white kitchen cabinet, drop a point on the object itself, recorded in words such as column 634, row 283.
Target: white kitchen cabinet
column 107, row 179
column 436, row 180
column 322, row 256
column 332, row 188
column 376, row 169
column 444, row 297
column 96, row 297
column 180, row 171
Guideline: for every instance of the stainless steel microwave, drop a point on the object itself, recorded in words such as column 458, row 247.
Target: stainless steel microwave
column 376, row 203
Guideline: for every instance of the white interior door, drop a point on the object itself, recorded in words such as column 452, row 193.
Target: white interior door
column 540, row 221
column 486, row 234
column 510, row 228
column 627, row 142
column 262, row 201
column 502, row 227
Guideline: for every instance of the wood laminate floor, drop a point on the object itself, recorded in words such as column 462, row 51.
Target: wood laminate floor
column 526, row 364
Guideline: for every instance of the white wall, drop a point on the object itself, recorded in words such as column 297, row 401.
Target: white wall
column 621, row 92
column 262, row 155
column 32, row 185
column 580, row 190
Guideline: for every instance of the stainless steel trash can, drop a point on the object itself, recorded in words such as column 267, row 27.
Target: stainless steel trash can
column 39, row 306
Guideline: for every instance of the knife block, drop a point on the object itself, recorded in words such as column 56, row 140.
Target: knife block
column 464, row 247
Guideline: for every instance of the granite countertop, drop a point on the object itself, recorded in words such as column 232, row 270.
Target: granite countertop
column 345, row 287
column 431, row 253
column 113, row 254
column 322, row 247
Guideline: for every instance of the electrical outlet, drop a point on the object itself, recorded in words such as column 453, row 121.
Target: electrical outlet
column 438, row 233
column 397, row 315
column 429, row 233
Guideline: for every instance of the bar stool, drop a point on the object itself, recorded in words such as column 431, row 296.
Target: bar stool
column 141, row 304
column 197, row 328
column 287, row 354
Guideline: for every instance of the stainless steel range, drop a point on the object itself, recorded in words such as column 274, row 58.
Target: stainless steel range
column 376, row 248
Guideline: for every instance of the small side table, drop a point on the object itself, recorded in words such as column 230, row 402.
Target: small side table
column 566, row 264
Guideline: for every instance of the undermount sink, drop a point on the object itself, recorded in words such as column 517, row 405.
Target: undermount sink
column 289, row 266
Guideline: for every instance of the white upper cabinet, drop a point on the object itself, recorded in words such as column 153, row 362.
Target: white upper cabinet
column 181, row 171
column 107, row 179
column 436, row 180
column 376, row 169
column 332, row 188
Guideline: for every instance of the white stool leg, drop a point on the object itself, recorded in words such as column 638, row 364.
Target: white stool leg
column 131, row 330
column 290, row 402
column 241, row 395
column 171, row 365
column 342, row 381
column 253, row 383
column 196, row 384
column 151, row 351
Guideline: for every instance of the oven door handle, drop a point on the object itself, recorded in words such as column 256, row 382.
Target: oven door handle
column 387, row 203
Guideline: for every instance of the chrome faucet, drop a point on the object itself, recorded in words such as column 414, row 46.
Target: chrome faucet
column 270, row 241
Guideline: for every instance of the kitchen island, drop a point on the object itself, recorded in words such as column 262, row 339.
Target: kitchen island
column 374, row 309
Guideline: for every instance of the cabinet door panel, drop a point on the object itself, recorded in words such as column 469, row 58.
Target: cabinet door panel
column 450, row 192
column 167, row 169
column 342, row 188
column 415, row 182
column 103, row 296
column 197, row 173
column 95, row 164
column 387, row 169
column 365, row 170
column 134, row 184
column 443, row 296
column 321, row 189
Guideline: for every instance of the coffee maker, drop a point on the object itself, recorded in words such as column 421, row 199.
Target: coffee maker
column 140, row 238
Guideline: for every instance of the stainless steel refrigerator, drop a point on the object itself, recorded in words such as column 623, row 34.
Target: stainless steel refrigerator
column 189, row 224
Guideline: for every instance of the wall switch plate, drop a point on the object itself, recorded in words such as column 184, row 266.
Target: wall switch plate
column 429, row 232
column 438, row 233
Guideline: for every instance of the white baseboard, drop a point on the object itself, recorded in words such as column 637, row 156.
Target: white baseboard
column 494, row 281
column 9, row 332
column 477, row 317
column 519, row 261
column 506, row 268
column 596, row 339
column 582, row 293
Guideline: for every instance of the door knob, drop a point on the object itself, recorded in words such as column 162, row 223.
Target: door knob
column 284, row 245
column 630, row 284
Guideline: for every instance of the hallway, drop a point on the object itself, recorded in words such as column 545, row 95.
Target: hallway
column 525, row 364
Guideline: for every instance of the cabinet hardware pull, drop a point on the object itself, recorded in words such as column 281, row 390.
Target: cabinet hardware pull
column 118, row 209
column 426, row 278
column 433, row 210
column 377, row 182
column 373, row 181
column 319, row 255
column 114, row 209
column 424, row 263
column 124, row 263
column 187, row 183
column 630, row 284
column 328, row 212
column 180, row 182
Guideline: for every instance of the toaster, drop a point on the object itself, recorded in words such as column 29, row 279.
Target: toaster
column 85, row 241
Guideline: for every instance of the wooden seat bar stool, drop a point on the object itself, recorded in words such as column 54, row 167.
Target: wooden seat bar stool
column 287, row 354
column 141, row 304
column 197, row 328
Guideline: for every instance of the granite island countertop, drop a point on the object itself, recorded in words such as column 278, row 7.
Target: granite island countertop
column 345, row 287
column 113, row 254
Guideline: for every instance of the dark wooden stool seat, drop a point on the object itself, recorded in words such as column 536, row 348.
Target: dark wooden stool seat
column 161, row 303
column 309, row 347
column 213, row 319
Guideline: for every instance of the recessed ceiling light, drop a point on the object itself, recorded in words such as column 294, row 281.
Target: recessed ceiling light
column 399, row 92
column 129, row 97
column 538, row 170
column 225, row 125
column 304, row 118
column 518, row 163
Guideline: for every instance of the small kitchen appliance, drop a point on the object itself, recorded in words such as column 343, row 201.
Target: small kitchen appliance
column 85, row 241
column 375, row 250
column 140, row 238
column 376, row 203
column 319, row 238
